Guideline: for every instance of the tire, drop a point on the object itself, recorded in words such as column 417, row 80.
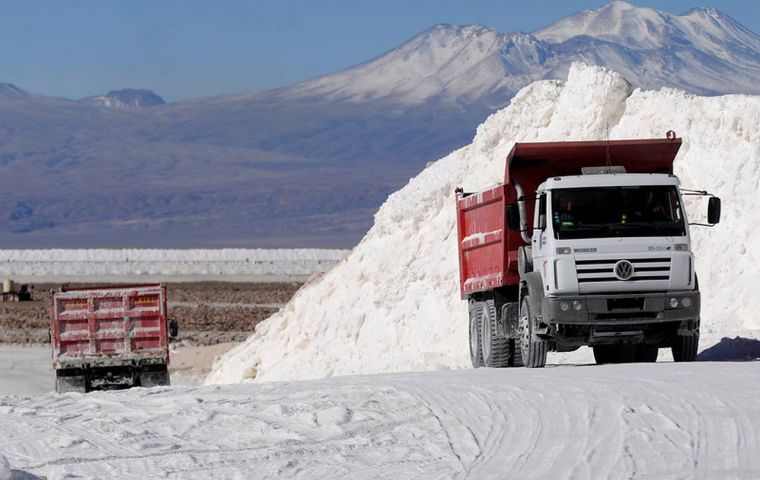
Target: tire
column 476, row 344
column 624, row 353
column 647, row 353
column 515, row 353
column 685, row 348
column 533, row 351
column 495, row 348
column 70, row 383
column 602, row 354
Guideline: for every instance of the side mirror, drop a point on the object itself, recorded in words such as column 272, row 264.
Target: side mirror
column 513, row 217
column 713, row 210
column 542, row 222
column 173, row 329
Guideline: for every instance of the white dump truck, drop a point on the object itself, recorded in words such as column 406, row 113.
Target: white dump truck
column 585, row 243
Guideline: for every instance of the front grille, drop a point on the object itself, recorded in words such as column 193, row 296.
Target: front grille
column 601, row 270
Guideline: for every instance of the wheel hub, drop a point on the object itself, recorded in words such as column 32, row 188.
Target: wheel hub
column 524, row 329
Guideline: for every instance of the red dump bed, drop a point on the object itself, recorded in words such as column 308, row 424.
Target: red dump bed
column 109, row 325
column 487, row 249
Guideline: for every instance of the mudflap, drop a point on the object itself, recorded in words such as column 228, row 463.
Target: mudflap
column 73, row 380
column 154, row 376
column 507, row 325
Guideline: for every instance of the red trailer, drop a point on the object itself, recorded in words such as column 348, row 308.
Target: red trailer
column 585, row 243
column 110, row 337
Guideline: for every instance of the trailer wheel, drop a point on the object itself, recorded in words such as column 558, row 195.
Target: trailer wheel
column 685, row 348
column 476, row 343
column 495, row 346
column 533, row 351
column 66, row 382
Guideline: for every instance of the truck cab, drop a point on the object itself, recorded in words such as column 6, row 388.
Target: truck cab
column 593, row 255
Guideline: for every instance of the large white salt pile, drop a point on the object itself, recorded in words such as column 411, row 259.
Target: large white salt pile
column 393, row 303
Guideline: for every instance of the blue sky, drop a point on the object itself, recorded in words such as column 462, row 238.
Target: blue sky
column 188, row 49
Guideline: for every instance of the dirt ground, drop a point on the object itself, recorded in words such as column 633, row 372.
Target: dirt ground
column 209, row 313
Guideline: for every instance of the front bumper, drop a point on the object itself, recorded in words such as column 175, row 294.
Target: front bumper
column 620, row 309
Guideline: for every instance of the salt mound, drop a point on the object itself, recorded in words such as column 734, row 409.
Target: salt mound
column 393, row 303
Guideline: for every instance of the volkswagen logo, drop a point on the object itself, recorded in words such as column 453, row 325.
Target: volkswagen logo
column 624, row 270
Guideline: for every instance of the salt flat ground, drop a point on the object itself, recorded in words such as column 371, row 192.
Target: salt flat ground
column 25, row 370
column 665, row 420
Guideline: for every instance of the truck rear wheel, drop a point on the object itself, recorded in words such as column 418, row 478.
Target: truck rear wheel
column 495, row 347
column 476, row 343
column 533, row 351
column 515, row 353
column 685, row 348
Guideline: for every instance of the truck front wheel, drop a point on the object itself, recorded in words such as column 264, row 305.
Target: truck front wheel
column 533, row 350
column 476, row 343
column 685, row 348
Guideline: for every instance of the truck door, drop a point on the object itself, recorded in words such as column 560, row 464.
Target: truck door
column 540, row 240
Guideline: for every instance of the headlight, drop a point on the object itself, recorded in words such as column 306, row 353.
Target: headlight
column 686, row 302
column 563, row 250
column 681, row 247
column 577, row 305
column 564, row 306
column 673, row 302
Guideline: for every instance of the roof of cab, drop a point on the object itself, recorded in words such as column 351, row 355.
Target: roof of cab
column 609, row 180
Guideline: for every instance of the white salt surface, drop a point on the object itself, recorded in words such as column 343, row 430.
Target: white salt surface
column 25, row 370
column 179, row 264
column 393, row 304
column 658, row 421
column 5, row 468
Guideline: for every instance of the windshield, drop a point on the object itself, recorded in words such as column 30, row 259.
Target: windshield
column 636, row 211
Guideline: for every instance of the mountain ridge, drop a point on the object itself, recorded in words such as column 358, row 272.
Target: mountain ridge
column 126, row 98
column 308, row 164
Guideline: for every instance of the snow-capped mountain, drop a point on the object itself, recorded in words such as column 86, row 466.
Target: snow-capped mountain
column 308, row 164
column 645, row 28
column 126, row 98
column 702, row 51
column 446, row 62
